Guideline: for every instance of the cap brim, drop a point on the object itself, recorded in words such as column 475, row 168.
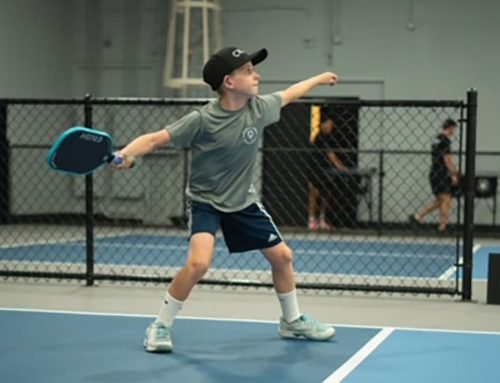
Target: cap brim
column 258, row 56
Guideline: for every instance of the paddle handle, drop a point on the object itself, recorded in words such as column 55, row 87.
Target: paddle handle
column 118, row 160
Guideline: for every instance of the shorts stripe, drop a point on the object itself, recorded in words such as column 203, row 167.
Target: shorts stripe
column 264, row 211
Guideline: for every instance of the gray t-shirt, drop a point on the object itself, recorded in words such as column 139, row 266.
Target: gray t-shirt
column 224, row 147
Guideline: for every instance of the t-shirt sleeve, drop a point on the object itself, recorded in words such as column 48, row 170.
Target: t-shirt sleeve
column 268, row 107
column 445, row 147
column 184, row 130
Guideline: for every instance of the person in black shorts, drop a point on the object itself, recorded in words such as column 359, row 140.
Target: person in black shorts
column 323, row 157
column 443, row 176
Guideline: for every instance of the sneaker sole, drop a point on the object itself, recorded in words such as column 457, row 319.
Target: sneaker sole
column 294, row 335
column 158, row 349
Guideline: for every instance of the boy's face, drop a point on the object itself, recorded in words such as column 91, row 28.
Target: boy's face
column 244, row 80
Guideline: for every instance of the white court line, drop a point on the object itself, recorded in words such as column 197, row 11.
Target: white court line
column 350, row 253
column 59, row 241
column 355, row 360
column 154, row 270
column 43, row 242
column 452, row 270
column 244, row 320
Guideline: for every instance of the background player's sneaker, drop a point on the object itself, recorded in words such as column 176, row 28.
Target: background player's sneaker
column 305, row 328
column 312, row 224
column 158, row 338
column 323, row 225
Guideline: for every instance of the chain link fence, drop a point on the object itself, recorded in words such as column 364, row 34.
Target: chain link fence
column 130, row 226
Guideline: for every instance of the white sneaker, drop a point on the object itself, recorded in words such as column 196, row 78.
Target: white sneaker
column 158, row 338
column 305, row 328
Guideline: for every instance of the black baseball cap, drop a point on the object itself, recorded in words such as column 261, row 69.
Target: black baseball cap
column 225, row 61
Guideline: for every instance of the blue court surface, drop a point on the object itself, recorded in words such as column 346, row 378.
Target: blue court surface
column 480, row 265
column 78, row 347
column 310, row 256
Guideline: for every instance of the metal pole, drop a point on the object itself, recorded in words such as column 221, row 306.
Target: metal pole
column 381, row 175
column 459, row 237
column 469, row 191
column 89, row 204
column 4, row 167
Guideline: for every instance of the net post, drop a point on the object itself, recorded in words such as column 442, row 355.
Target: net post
column 89, row 204
column 469, row 191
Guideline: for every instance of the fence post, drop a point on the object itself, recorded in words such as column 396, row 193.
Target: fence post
column 89, row 203
column 469, row 191
column 381, row 174
column 4, row 166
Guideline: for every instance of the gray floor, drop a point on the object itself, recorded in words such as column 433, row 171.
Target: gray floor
column 368, row 310
column 337, row 308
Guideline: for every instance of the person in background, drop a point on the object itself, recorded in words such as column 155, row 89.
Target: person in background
column 323, row 158
column 443, row 176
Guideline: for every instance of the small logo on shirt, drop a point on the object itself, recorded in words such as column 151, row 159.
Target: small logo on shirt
column 250, row 135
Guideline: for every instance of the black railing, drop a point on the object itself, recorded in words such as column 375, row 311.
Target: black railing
column 130, row 226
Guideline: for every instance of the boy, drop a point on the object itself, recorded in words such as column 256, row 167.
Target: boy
column 223, row 136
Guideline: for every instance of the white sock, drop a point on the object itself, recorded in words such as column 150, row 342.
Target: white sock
column 289, row 306
column 169, row 309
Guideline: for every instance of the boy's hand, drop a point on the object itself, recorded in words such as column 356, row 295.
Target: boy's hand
column 302, row 88
column 122, row 161
column 328, row 78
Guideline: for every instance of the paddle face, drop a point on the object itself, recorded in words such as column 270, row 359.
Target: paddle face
column 81, row 151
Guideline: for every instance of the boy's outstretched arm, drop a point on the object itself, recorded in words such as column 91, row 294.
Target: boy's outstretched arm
column 302, row 88
column 142, row 145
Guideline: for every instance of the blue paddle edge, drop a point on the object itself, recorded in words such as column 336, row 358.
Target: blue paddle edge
column 113, row 159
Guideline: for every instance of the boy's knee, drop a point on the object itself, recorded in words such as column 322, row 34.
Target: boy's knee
column 284, row 257
column 198, row 268
column 288, row 255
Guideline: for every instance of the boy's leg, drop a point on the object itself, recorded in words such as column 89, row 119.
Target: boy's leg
column 158, row 334
column 253, row 228
column 293, row 324
column 280, row 257
column 201, row 248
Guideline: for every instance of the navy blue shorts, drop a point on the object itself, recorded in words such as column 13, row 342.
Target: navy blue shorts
column 249, row 229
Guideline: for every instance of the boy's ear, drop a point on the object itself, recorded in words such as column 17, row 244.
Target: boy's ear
column 228, row 82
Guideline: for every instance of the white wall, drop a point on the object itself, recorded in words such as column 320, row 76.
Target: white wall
column 36, row 44
column 63, row 48
column 116, row 47
column 119, row 50
column 454, row 46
